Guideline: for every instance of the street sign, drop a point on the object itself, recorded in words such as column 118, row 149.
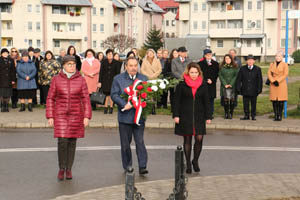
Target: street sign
column 294, row 14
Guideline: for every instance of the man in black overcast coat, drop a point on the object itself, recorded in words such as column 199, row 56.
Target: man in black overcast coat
column 249, row 84
column 210, row 69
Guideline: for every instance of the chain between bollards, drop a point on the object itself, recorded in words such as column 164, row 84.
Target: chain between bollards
column 131, row 192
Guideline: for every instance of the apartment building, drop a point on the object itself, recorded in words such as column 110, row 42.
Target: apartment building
column 251, row 27
column 56, row 24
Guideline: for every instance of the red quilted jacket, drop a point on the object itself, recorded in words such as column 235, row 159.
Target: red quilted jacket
column 68, row 102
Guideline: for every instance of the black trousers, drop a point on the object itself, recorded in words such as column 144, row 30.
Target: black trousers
column 163, row 100
column 14, row 97
column 172, row 95
column 66, row 148
column 253, row 100
column 44, row 93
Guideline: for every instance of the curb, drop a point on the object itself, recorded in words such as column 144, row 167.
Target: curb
column 165, row 125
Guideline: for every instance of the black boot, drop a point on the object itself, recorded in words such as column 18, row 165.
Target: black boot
column 111, row 110
column 226, row 109
column 275, row 109
column 2, row 107
column 153, row 110
column 246, row 117
column 231, row 109
column 6, row 107
column 105, row 110
column 280, row 109
column 14, row 105
column 30, row 107
column 22, row 109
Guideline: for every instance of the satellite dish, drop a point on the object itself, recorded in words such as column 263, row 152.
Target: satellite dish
column 252, row 24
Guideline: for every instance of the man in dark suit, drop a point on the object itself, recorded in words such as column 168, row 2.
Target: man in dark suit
column 210, row 69
column 249, row 84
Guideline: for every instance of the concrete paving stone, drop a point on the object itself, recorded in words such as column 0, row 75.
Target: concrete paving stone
column 166, row 125
column 211, row 126
column 110, row 124
column 152, row 124
column 96, row 125
column 237, row 127
column 38, row 125
column 251, row 128
column 294, row 130
column 266, row 128
column 281, row 129
column 9, row 125
column 222, row 126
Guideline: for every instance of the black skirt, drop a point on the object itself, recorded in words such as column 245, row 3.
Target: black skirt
column 26, row 94
column 5, row 92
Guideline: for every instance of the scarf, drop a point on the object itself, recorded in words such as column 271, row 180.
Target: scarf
column 69, row 75
column 194, row 84
column 227, row 65
column 90, row 60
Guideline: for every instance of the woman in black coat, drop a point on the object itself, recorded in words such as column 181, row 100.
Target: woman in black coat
column 191, row 113
column 72, row 52
column 7, row 78
column 109, row 68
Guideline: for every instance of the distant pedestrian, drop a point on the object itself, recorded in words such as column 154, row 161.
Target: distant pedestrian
column 227, row 74
column 15, row 55
column 277, row 74
column 7, row 78
column 210, row 69
column 62, row 54
column 137, row 56
column 109, row 68
column 179, row 64
column 91, row 69
column 249, row 84
column 68, row 109
column 126, row 114
column 129, row 54
column 159, row 53
column 26, row 72
column 37, row 59
column 118, row 59
column 163, row 101
column 100, row 56
column 31, row 53
column 72, row 52
column 49, row 67
column 191, row 113
column 232, row 53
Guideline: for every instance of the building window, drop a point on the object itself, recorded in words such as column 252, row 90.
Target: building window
column 94, row 11
column 249, row 5
column 167, row 22
column 237, row 5
column 203, row 25
column 9, row 25
column 283, row 24
column 38, row 8
column 235, row 24
column 287, row 4
column 94, row 44
column 56, row 43
column 38, row 43
column 257, row 43
column 74, row 27
column 282, row 45
column 248, row 43
column 29, row 26
column 59, row 10
column 29, row 8
column 101, row 27
column 220, row 43
column 9, row 42
column 195, row 25
column 167, row 35
column 173, row 22
column 203, row 6
column 59, row 27
column 101, row 44
column 258, row 5
column 94, row 27
column 220, row 24
column 101, row 11
column 30, row 43
column 38, row 26
column 5, row 8
column 235, row 43
column 258, row 24
column 173, row 35
column 195, row 7
column 269, row 43
column 249, row 22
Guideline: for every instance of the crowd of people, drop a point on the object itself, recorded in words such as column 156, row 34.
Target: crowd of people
column 66, row 83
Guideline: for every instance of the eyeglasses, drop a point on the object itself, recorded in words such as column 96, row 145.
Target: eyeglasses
column 14, row 51
column 71, row 65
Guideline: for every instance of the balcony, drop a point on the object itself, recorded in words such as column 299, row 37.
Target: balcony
column 226, row 15
column 225, row 33
column 271, row 10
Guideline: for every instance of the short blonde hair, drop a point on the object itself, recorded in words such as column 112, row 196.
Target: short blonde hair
column 190, row 66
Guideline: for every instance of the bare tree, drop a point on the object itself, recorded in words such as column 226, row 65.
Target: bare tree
column 119, row 42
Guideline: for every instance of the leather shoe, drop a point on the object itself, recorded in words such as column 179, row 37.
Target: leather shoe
column 196, row 166
column 143, row 171
column 61, row 174
column 253, row 118
column 69, row 175
column 245, row 118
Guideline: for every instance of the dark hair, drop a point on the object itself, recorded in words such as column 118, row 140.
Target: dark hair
column 129, row 53
column 97, row 56
column 69, row 49
column 232, row 61
column 89, row 50
column 30, row 49
column 48, row 52
column 130, row 58
column 109, row 51
column 190, row 66
column 171, row 57
column 115, row 55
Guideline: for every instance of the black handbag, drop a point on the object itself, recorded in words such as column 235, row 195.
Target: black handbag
column 267, row 82
column 98, row 97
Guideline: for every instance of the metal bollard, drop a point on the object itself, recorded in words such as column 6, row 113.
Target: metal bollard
column 129, row 184
column 179, row 174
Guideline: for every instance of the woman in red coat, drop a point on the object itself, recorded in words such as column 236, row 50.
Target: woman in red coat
column 68, row 108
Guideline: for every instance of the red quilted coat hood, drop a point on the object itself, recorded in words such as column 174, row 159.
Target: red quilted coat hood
column 68, row 103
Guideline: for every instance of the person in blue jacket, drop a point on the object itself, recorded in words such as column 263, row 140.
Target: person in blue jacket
column 26, row 72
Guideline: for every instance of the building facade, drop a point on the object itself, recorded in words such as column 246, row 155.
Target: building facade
column 55, row 24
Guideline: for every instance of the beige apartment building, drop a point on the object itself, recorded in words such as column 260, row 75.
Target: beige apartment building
column 250, row 26
column 56, row 24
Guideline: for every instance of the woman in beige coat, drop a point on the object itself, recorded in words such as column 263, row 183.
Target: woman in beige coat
column 151, row 66
column 277, row 74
